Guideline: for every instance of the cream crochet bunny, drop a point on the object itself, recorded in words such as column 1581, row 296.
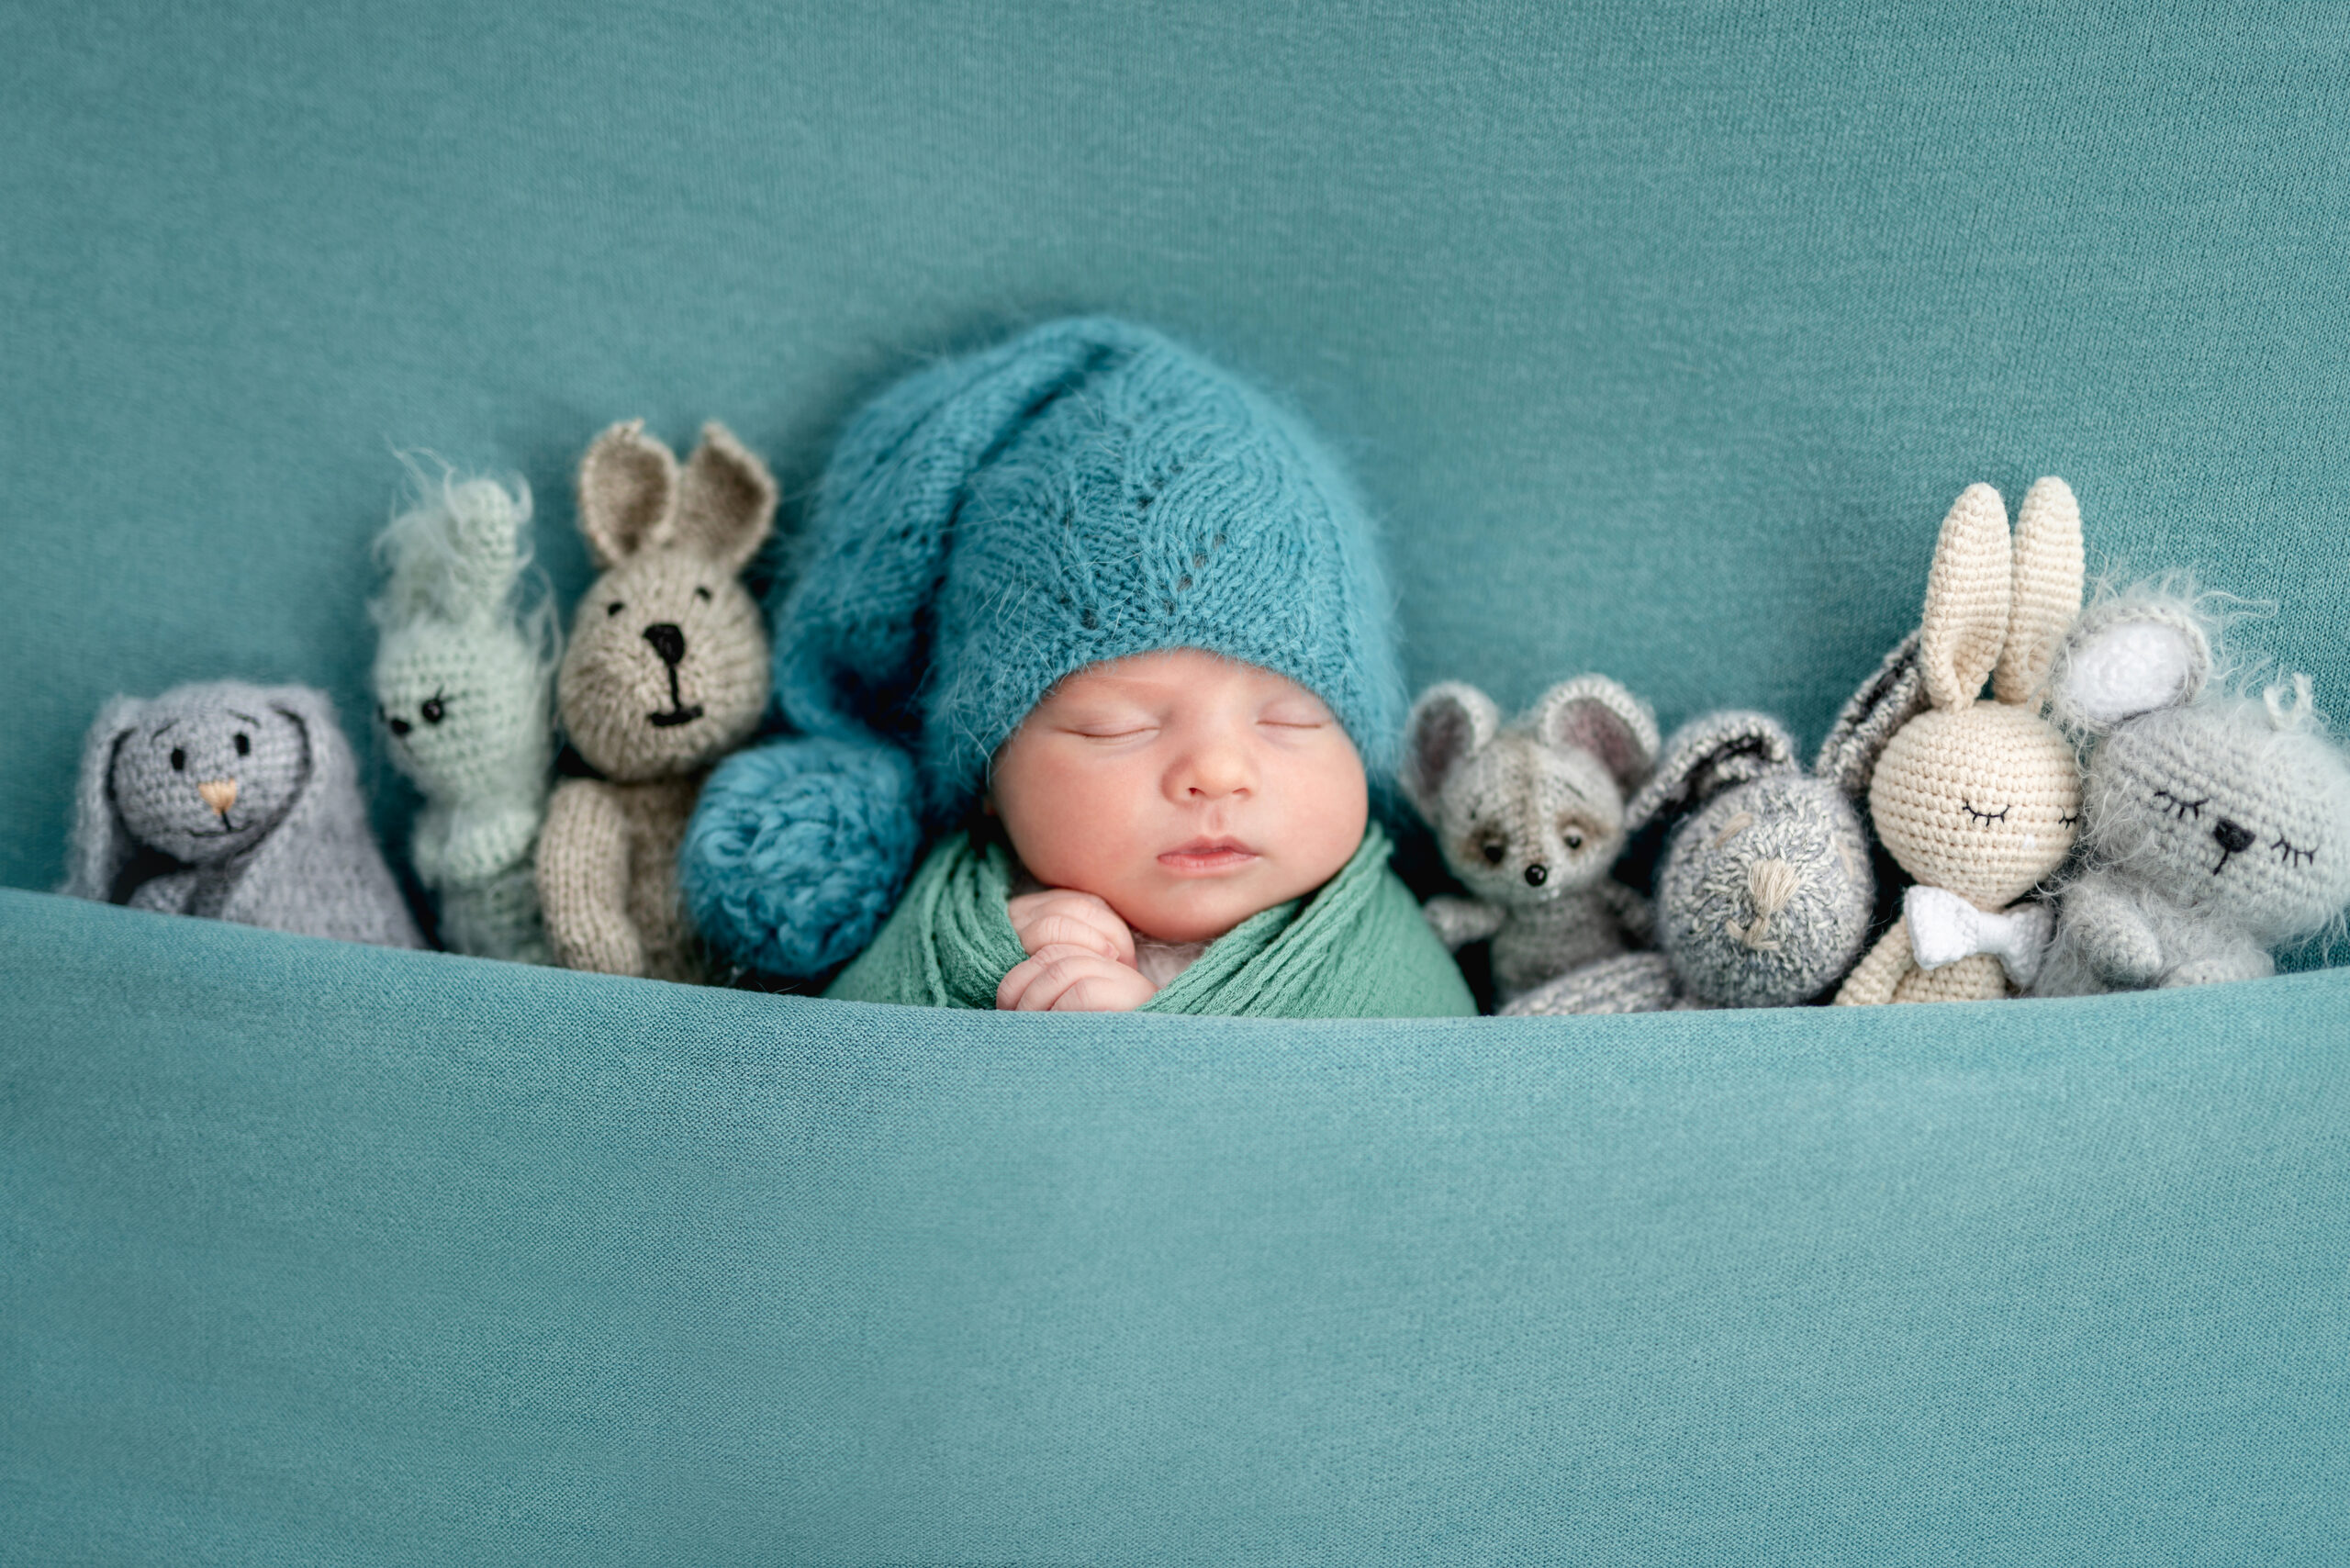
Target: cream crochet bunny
column 1980, row 800
column 667, row 672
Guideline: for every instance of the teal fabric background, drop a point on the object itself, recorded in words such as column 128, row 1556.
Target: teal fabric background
column 1661, row 336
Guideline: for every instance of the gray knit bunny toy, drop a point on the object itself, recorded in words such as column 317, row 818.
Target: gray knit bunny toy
column 236, row 802
column 1530, row 818
column 2216, row 828
column 1763, row 886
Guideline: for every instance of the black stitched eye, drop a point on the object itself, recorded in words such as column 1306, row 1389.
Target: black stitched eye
column 1574, row 841
column 2181, row 809
column 1998, row 816
column 2291, row 855
column 179, row 760
column 702, row 594
column 244, row 745
column 613, row 608
column 434, row 708
column 2068, row 819
column 1493, row 849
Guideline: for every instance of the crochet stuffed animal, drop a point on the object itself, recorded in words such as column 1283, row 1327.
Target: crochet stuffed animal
column 236, row 802
column 1530, row 818
column 667, row 672
column 1980, row 800
column 2216, row 829
column 464, row 681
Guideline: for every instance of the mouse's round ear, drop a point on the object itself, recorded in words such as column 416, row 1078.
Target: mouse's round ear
column 1594, row 714
column 1708, row 755
column 1894, row 694
column 1451, row 722
column 2127, row 657
column 628, row 490
column 1969, row 592
column 2047, row 589
column 102, row 845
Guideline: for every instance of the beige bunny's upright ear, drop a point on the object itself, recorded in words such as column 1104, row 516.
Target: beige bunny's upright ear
column 2048, row 574
column 726, row 500
column 628, row 490
column 1594, row 714
column 1968, row 594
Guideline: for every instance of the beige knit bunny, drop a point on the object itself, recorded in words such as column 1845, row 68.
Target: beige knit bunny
column 1979, row 801
column 667, row 672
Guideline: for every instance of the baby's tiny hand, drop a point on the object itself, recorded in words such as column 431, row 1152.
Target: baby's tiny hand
column 1060, row 916
column 1060, row 977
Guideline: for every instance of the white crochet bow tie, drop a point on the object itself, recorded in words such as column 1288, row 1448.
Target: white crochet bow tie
column 1944, row 928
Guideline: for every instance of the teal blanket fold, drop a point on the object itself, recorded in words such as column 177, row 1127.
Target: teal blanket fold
column 1357, row 948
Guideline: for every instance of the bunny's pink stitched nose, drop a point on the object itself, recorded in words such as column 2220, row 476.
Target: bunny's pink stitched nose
column 219, row 793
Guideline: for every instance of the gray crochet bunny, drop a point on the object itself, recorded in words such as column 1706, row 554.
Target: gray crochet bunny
column 236, row 802
column 2216, row 828
column 1530, row 818
column 1763, row 886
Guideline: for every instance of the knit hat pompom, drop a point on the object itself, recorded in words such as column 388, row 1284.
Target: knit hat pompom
column 797, row 850
column 1088, row 491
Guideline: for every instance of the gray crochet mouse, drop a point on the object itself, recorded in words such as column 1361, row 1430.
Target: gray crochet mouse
column 2215, row 828
column 1530, row 818
column 1763, row 886
column 237, row 803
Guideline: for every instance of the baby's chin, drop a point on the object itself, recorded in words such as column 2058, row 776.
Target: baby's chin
column 1193, row 913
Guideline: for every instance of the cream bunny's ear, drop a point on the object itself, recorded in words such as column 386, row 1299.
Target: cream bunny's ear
column 2047, row 594
column 628, row 490
column 725, row 500
column 1451, row 722
column 1594, row 714
column 1968, row 593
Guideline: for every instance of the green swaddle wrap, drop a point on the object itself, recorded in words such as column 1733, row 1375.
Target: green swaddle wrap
column 1356, row 947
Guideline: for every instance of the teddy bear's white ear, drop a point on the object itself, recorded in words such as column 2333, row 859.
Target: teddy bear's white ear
column 1969, row 591
column 2047, row 596
column 2129, row 657
column 726, row 499
column 1594, row 714
column 628, row 491
column 1451, row 722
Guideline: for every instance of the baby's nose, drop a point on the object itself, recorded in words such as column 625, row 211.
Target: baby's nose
column 219, row 793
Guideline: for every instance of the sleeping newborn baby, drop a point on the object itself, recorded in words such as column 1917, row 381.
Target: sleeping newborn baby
column 1107, row 628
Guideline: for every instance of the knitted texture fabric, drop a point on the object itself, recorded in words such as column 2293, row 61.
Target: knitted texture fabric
column 667, row 670
column 1628, row 983
column 1087, row 491
column 236, row 802
column 1981, row 799
column 1530, row 817
column 1356, row 947
column 2216, row 827
column 464, row 681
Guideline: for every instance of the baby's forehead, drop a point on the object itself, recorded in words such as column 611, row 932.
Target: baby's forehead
column 1173, row 674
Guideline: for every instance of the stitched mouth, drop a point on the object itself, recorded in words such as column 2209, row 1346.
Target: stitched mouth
column 678, row 712
column 223, row 830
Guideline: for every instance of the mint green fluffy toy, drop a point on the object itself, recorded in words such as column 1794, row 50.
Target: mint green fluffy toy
column 463, row 686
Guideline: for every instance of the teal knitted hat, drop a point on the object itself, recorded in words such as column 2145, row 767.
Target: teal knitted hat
column 1087, row 491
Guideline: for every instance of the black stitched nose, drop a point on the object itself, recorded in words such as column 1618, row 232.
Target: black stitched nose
column 667, row 641
column 2233, row 837
column 1536, row 874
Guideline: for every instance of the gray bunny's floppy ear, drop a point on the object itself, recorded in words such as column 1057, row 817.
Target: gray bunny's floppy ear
column 102, row 845
column 1451, row 722
column 1708, row 755
column 1594, row 714
column 2132, row 653
column 1889, row 699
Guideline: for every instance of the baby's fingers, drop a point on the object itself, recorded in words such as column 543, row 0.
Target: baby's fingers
column 1064, row 930
column 1070, row 979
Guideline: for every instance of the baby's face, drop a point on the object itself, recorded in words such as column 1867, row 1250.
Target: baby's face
column 1185, row 790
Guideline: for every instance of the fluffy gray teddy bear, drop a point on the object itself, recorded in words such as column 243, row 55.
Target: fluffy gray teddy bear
column 236, row 802
column 2215, row 828
column 1530, row 818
